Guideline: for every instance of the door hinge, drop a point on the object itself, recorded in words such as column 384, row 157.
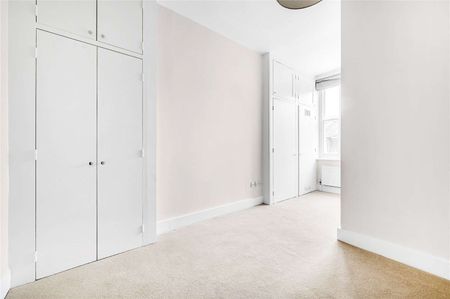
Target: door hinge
column 142, row 153
column 142, row 77
column 35, row 256
column 273, row 107
column 273, row 193
column 142, row 45
column 142, row 228
column 36, row 11
column 273, row 150
column 35, row 52
column 35, row 155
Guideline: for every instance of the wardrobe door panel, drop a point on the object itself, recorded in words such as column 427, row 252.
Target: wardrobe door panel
column 307, row 149
column 282, row 81
column 120, row 23
column 66, row 143
column 120, row 169
column 72, row 16
column 285, row 143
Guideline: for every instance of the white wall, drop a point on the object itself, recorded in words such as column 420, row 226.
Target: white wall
column 209, row 122
column 21, row 93
column 4, row 269
column 150, row 62
column 395, row 123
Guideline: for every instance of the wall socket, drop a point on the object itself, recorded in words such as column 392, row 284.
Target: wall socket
column 253, row 184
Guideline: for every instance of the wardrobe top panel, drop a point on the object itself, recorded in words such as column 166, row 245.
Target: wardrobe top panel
column 115, row 23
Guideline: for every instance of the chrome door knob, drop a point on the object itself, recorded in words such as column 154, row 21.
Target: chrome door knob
column 91, row 163
column 102, row 162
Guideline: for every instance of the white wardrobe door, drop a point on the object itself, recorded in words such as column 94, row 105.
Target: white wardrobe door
column 120, row 169
column 66, row 143
column 120, row 23
column 72, row 16
column 282, row 81
column 308, row 149
column 285, row 142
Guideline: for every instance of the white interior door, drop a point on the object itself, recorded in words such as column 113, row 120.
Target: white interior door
column 120, row 23
column 72, row 16
column 66, row 143
column 282, row 81
column 285, row 155
column 120, row 167
column 308, row 142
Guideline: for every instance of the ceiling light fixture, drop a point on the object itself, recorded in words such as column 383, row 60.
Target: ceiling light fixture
column 297, row 4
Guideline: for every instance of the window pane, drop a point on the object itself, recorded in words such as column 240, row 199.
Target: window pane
column 331, row 136
column 331, row 102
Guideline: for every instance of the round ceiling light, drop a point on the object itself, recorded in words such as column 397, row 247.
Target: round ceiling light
column 297, row 4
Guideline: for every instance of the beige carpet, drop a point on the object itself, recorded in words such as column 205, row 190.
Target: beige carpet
column 283, row 251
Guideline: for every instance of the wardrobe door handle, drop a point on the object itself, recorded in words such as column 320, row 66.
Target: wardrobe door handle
column 91, row 163
column 103, row 162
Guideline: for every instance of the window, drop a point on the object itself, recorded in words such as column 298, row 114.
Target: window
column 330, row 121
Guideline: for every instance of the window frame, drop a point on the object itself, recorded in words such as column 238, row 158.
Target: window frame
column 322, row 119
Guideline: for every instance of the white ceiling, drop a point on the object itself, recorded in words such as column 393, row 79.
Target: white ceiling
column 309, row 39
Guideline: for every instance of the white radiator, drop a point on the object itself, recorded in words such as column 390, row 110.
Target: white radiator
column 330, row 176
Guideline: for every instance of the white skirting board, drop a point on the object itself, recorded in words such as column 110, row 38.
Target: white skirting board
column 330, row 189
column 417, row 259
column 5, row 284
column 170, row 224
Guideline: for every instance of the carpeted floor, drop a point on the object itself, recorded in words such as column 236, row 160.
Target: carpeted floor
column 284, row 251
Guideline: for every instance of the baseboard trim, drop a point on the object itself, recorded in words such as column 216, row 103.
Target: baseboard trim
column 5, row 284
column 330, row 189
column 174, row 223
column 417, row 259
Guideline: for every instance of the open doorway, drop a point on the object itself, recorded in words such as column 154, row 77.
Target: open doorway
column 302, row 106
column 299, row 48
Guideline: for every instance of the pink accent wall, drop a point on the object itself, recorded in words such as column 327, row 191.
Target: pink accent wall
column 209, row 118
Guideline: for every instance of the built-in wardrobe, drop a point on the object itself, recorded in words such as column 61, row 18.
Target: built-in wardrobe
column 291, row 132
column 89, row 132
